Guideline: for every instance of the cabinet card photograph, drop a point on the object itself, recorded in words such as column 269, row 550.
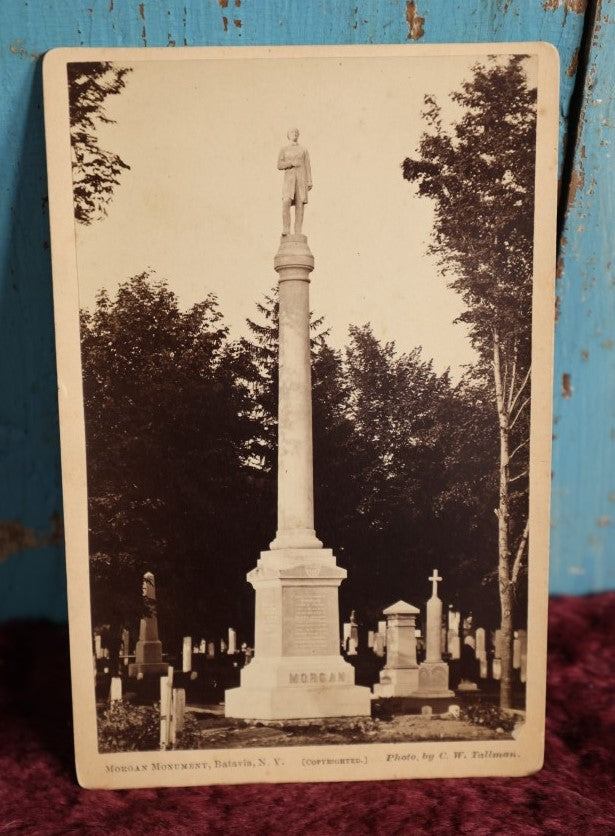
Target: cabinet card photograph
column 304, row 307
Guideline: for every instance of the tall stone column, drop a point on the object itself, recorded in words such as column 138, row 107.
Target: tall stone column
column 297, row 670
column 294, row 262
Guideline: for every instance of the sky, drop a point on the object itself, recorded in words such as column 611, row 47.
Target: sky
column 201, row 204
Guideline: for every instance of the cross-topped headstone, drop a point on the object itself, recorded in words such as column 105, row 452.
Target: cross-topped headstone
column 435, row 579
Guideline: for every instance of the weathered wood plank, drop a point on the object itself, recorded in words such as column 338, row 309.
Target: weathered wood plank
column 583, row 512
column 32, row 574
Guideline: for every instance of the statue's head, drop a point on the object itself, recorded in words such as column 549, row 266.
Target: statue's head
column 293, row 134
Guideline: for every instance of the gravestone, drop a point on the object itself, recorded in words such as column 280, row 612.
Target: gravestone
column 232, row 641
column 379, row 645
column 346, row 632
column 523, row 655
column 453, row 644
column 352, row 647
column 98, row 652
column 211, row 650
column 187, row 654
column 148, row 652
column 115, row 693
column 516, row 659
column 370, row 638
column 202, row 646
column 481, row 652
column 433, row 674
column 399, row 677
column 382, row 630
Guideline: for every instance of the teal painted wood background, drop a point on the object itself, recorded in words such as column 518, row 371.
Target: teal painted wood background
column 32, row 579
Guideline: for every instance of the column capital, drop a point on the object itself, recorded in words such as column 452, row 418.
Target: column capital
column 294, row 259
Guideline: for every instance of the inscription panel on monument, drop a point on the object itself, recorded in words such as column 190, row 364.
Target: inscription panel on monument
column 268, row 629
column 310, row 621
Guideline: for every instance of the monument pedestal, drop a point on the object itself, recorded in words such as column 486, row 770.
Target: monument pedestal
column 400, row 676
column 297, row 671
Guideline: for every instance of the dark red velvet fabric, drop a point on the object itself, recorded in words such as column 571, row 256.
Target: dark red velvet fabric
column 572, row 794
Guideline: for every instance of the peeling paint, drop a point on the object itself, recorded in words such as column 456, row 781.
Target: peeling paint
column 237, row 23
column 225, row 23
column 603, row 521
column 18, row 48
column 223, row 3
column 15, row 537
column 142, row 11
column 576, row 6
column 559, row 270
column 584, row 355
column 416, row 27
column 577, row 183
column 566, row 385
column 573, row 66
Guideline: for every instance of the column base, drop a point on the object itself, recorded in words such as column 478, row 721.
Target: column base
column 297, row 688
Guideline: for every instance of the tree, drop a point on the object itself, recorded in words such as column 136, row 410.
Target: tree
column 96, row 171
column 167, row 428
column 479, row 173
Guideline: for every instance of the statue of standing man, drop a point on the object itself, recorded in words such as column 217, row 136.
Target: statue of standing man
column 294, row 161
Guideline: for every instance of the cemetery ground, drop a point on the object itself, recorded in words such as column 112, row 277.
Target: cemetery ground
column 468, row 716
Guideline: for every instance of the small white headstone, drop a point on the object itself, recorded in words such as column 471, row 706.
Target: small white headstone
column 98, row 646
column 203, row 646
column 115, row 693
column 211, row 650
column 379, row 645
column 523, row 654
column 370, row 638
column 454, row 644
column 497, row 668
column 187, row 654
column 352, row 647
column 516, row 662
column 232, row 641
column 454, row 620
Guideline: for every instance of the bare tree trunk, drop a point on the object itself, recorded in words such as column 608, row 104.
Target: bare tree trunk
column 503, row 515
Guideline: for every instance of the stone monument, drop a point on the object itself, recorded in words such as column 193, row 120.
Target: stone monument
column 148, row 652
column 400, row 675
column 297, row 670
column 433, row 672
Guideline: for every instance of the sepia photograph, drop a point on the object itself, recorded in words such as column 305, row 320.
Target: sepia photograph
column 304, row 312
